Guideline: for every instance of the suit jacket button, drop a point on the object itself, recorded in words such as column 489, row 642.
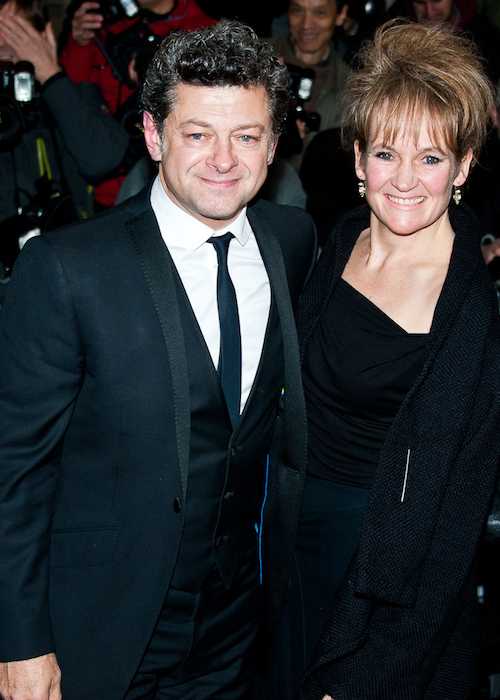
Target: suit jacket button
column 177, row 505
column 228, row 495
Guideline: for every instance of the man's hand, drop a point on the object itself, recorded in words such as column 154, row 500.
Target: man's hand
column 33, row 679
column 4, row 682
column 491, row 250
column 39, row 48
column 86, row 23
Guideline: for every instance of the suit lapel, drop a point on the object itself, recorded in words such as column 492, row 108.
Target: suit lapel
column 159, row 275
column 158, row 271
column 294, row 405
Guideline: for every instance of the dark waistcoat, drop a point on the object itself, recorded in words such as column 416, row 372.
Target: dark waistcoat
column 226, row 469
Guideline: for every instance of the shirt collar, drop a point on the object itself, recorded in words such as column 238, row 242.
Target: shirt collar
column 181, row 229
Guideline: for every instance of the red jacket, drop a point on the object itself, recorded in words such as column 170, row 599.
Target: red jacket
column 88, row 64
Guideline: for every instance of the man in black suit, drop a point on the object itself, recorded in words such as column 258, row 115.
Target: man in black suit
column 144, row 356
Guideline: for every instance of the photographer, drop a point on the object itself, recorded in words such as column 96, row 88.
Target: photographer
column 55, row 136
column 318, row 72
column 104, row 43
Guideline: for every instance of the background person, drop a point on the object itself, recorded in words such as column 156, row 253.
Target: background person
column 326, row 169
column 483, row 189
column 310, row 46
column 53, row 145
column 461, row 17
column 102, row 52
column 401, row 344
column 138, row 400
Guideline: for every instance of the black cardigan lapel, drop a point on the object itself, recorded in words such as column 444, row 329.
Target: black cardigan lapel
column 157, row 265
column 449, row 380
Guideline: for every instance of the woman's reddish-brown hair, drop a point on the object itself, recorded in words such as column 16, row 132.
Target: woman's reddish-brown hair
column 412, row 70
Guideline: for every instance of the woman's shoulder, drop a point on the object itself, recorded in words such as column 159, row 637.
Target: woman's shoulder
column 329, row 266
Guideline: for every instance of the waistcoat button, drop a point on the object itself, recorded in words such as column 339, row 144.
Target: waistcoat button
column 177, row 505
column 221, row 540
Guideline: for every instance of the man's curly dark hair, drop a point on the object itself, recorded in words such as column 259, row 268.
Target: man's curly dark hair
column 227, row 54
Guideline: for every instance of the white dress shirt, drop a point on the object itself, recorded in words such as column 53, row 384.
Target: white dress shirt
column 196, row 261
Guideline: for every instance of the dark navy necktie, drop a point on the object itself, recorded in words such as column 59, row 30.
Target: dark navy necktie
column 229, row 368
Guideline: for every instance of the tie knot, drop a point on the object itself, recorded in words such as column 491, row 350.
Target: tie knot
column 221, row 243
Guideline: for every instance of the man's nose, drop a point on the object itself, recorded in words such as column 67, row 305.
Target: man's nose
column 223, row 156
column 308, row 21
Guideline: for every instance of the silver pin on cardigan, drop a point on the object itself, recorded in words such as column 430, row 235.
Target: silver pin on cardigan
column 406, row 475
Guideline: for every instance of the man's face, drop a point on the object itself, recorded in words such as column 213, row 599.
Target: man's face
column 312, row 23
column 216, row 145
column 160, row 7
column 433, row 10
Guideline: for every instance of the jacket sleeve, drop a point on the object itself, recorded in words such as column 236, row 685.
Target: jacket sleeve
column 40, row 367
column 95, row 139
column 404, row 646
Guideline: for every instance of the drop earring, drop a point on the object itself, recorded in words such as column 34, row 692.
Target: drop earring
column 457, row 195
column 362, row 188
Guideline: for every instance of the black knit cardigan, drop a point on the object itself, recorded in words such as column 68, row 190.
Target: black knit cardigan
column 400, row 627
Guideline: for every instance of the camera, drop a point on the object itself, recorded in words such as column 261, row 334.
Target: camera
column 137, row 43
column 300, row 86
column 47, row 209
column 113, row 10
column 20, row 112
column 18, row 109
column 301, row 82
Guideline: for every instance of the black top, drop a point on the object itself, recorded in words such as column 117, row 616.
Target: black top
column 358, row 368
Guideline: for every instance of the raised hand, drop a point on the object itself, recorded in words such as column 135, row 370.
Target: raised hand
column 86, row 22
column 39, row 48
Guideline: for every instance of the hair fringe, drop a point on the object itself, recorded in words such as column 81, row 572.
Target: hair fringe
column 410, row 70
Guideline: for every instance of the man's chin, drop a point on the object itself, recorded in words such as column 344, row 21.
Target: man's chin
column 219, row 217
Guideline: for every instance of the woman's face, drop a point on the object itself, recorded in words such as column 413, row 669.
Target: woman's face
column 409, row 182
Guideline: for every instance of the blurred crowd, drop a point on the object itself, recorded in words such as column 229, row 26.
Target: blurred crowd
column 70, row 127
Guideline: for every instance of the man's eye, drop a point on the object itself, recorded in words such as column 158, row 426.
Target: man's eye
column 383, row 155
column 431, row 160
column 247, row 138
column 196, row 136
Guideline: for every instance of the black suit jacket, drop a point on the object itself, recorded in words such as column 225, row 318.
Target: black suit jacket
column 95, row 433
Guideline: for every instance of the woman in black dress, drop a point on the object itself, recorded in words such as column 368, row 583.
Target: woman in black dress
column 401, row 365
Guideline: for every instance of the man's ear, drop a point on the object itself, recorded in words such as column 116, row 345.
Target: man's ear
column 152, row 137
column 359, row 158
column 271, row 150
column 463, row 169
